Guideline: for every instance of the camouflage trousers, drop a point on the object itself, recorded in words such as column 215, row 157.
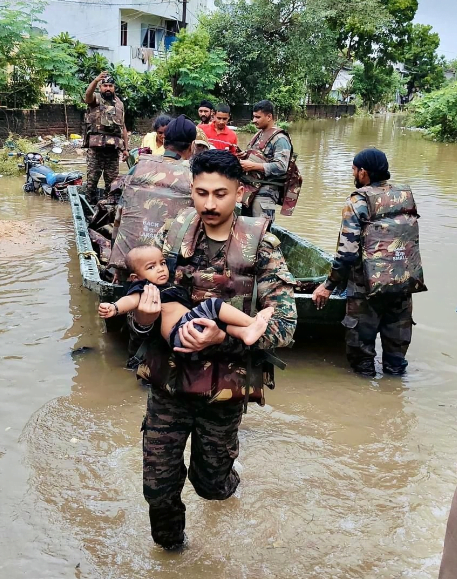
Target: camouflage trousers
column 264, row 204
column 169, row 421
column 101, row 160
column 392, row 318
column 448, row 569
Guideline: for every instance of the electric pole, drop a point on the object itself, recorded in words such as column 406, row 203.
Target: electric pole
column 183, row 22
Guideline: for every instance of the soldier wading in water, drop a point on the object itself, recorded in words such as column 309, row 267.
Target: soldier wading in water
column 211, row 253
column 378, row 260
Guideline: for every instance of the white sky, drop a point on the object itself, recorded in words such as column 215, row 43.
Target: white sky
column 442, row 15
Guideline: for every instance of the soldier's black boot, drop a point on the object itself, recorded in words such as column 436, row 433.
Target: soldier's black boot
column 364, row 367
column 167, row 527
column 394, row 365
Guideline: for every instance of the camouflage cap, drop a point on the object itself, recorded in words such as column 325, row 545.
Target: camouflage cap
column 202, row 139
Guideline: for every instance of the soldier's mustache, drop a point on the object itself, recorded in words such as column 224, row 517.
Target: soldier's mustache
column 211, row 213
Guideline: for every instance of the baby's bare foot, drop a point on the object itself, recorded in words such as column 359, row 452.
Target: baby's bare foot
column 266, row 313
column 253, row 332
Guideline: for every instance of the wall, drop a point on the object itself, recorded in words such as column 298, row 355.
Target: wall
column 243, row 114
column 47, row 120
column 50, row 119
column 92, row 23
column 332, row 111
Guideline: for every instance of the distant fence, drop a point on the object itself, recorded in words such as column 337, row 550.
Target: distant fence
column 242, row 114
column 48, row 119
column 58, row 119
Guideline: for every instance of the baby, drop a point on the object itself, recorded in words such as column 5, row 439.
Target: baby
column 148, row 266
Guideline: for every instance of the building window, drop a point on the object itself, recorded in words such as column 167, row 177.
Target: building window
column 148, row 36
column 123, row 33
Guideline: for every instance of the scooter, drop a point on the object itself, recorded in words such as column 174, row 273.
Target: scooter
column 42, row 179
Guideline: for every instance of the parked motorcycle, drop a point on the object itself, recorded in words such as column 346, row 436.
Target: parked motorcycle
column 42, row 179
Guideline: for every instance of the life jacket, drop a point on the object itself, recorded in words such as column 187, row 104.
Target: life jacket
column 155, row 192
column 390, row 242
column 289, row 186
column 232, row 279
column 104, row 123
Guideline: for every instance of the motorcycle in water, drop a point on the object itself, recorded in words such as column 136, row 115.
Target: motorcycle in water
column 42, row 179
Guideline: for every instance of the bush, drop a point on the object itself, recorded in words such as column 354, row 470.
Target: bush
column 249, row 128
column 437, row 114
column 14, row 144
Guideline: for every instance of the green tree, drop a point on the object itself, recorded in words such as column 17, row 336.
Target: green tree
column 28, row 58
column 355, row 23
column 437, row 113
column 420, row 58
column 371, row 31
column 88, row 66
column 192, row 68
column 15, row 23
column 144, row 93
column 376, row 84
column 273, row 49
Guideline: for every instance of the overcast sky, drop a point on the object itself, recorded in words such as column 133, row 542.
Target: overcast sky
column 442, row 15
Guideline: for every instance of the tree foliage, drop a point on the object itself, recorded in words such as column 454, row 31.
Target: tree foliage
column 273, row 48
column 143, row 93
column 437, row 113
column 28, row 58
column 425, row 69
column 290, row 50
column 192, row 68
column 376, row 84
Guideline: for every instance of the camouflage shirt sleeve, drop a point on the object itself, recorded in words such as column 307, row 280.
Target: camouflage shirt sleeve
column 275, row 288
column 348, row 250
column 279, row 164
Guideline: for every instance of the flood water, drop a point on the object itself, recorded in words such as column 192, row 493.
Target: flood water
column 342, row 477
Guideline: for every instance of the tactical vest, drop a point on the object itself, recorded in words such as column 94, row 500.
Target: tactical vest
column 390, row 242
column 233, row 280
column 104, row 124
column 157, row 191
column 289, row 186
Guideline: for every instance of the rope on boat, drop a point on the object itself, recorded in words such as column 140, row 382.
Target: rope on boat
column 87, row 254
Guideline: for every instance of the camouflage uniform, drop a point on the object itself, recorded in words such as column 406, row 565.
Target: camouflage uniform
column 103, row 136
column 277, row 153
column 156, row 190
column 172, row 416
column 101, row 160
column 390, row 315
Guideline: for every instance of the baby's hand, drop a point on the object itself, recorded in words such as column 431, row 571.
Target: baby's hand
column 106, row 310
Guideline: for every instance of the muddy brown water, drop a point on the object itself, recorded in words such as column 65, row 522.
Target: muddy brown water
column 342, row 477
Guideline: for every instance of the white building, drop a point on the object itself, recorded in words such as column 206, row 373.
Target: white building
column 128, row 32
column 342, row 81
